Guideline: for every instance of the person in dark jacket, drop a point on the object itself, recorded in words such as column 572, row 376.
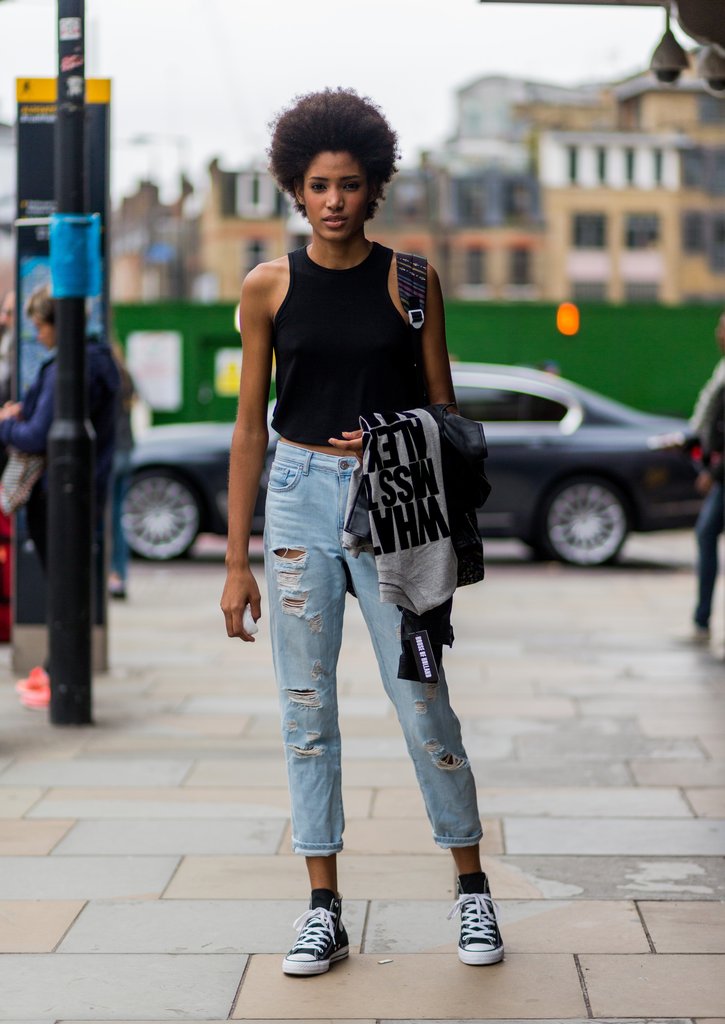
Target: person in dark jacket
column 25, row 425
column 707, row 423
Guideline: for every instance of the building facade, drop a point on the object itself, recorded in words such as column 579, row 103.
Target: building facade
column 611, row 193
column 154, row 246
column 482, row 229
column 637, row 213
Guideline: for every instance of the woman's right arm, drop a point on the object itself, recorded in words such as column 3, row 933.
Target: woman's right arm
column 31, row 434
column 249, row 445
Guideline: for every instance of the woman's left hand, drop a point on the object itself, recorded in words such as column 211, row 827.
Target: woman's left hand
column 351, row 441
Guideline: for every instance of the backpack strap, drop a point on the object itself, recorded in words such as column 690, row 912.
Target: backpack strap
column 412, row 283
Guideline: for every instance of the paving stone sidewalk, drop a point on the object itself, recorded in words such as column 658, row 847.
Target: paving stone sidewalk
column 145, row 864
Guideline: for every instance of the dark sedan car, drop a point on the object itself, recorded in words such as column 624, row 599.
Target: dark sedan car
column 572, row 471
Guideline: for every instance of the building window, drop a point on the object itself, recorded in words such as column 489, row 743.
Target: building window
column 589, row 291
column 641, row 291
column 601, row 164
column 717, row 242
column 658, row 160
column 642, row 230
column 693, row 167
column 589, row 231
column 256, row 195
column 693, row 231
column 475, row 266
column 255, row 253
column 409, row 200
column 471, row 201
column 717, row 172
column 518, row 200
column 227, row 194
column 520, row 266
column 629, row 163
column 573, row 163
column 711, row 109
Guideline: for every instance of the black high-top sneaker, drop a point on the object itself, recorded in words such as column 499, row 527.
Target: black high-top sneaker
column 480, row 941
column 322, row 937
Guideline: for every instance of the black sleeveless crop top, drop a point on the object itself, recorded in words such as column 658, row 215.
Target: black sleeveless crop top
column 342, row 348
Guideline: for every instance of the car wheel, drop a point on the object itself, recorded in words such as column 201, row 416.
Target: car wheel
column 161, row 515
column 584, row 521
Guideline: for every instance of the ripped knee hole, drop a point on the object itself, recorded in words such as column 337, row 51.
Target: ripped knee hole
column 290, row 554
column 442, row 758
column 306, row 751
column 306, row 698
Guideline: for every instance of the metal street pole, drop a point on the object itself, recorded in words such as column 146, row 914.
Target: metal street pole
column 70, row 447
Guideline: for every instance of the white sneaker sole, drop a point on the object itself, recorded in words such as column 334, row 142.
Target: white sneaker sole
column 309, row 967
column 492, row 956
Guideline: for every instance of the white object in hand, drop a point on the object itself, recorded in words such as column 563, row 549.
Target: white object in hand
column 248, row 623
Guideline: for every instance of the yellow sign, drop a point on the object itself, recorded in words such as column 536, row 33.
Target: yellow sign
column 45, row 90
column 227, row 371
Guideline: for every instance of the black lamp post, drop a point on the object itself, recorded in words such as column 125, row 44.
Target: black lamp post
column 70, row 445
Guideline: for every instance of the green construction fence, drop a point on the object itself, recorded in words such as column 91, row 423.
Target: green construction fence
column 655, row 358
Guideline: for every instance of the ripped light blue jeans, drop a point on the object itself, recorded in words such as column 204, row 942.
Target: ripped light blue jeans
column 306, row 579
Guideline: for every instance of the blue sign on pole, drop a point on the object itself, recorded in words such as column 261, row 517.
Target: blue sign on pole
column 75, row 255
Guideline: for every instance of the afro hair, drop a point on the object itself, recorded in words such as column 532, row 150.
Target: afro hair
column 332, row 121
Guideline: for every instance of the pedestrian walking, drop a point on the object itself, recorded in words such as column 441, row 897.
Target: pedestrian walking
column 330, row 314
column 707, row 424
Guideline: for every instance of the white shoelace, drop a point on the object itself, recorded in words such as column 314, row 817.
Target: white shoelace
column 316, row 928
column 478, row 917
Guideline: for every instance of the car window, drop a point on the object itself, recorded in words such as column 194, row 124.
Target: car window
column 498, row 405
column 542, row 409
column 490, row 405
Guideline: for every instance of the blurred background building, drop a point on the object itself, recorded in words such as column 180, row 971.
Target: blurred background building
column 154, row 246
column 608, row 192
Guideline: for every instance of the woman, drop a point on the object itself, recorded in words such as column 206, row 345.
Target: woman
column 331, row 315
column 26, row 425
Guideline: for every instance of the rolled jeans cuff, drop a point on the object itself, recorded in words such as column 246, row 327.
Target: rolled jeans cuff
column 316, row 849
column 449, row 842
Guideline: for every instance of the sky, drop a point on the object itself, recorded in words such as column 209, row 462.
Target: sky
column 194, row 79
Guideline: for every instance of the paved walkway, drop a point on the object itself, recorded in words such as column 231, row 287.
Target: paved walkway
column 145, row 868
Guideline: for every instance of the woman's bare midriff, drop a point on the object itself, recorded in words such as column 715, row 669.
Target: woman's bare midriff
column 324, row 449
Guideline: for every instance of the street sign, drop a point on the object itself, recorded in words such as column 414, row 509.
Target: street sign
column 36, row 117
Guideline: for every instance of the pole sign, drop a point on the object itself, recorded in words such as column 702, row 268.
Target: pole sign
column 36, row 99
column 36, row 117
